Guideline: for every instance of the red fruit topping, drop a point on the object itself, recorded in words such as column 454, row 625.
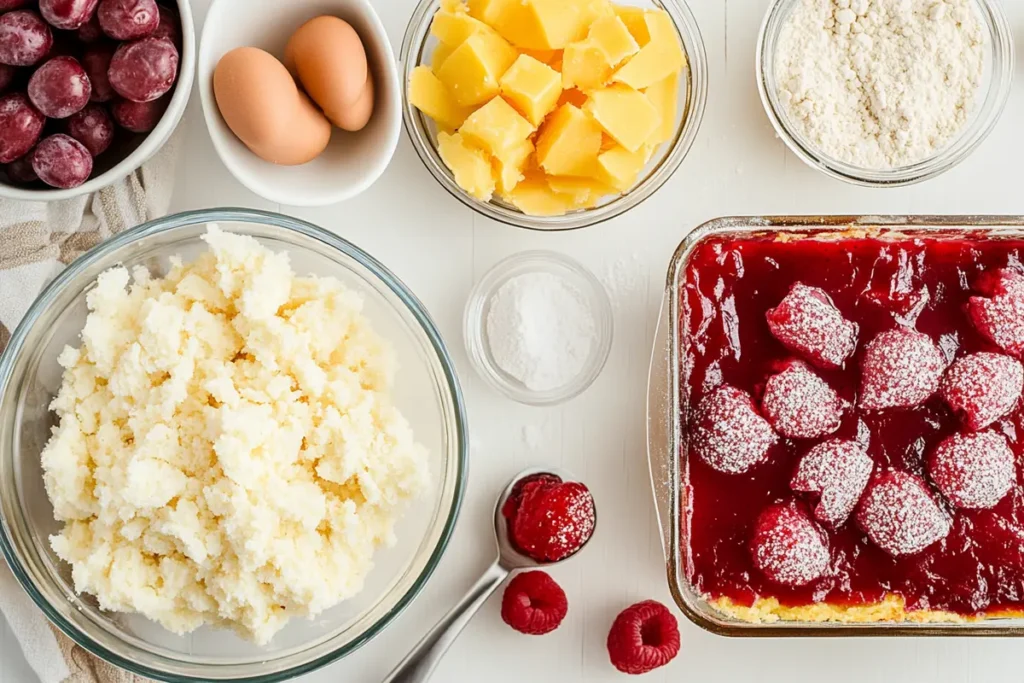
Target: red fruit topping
column 60, row 87
column 128, row 19
column 169, row 26
column 90, row 32
column 96, row 62
column 61, row 161
column 20, row 126
column 901, row 369
column 643, row 637
column 533, row 603
column 67, row 14
column 20, row 171
column 973, row 471
column 839, row 470
column 801, row 405
column 138, row 117
column 899, row 514
column 93, row 128
column 788, row 547
column 24, row 38
column 983, row 387
column 729, row 434
column 7, row 74
column 549, row 519
column 144, row 70
column 808, row 323
column 998, row 314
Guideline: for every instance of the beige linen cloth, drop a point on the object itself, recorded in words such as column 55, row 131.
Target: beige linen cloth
column 36, row 241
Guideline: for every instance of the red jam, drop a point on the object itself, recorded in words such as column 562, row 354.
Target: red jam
column 878, row 285
column 549, row 519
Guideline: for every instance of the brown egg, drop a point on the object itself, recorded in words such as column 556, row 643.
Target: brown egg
column 266, row 110
column 358, row 115
column 329, row 60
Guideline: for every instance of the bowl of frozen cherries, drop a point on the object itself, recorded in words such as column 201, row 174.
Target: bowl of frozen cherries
column 89, row 90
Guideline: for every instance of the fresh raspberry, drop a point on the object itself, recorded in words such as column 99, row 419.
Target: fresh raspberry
column 788, row 547
column 899, row 514
column 549, row 519
column 807, row 322
column 973, row 471
column 901, row 368
column 533, row 603
column 998, row 314
column 643, row 637
column 983, row 387
column 729, row 434
column 801, row 405
column 839, row 471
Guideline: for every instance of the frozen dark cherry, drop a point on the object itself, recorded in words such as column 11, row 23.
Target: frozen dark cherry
column 61, row 161
column 138, row 117
column 144, row 70
column 169, row 26
column 899, row 514
column 838, row 470
column 67, row 14
column 96, row 62
column 20, row 126
column 25, row 38
column 788, row 547
column 60, row 87
column 801, row 405
column 128, row 19
column 728, row 432
column 807, row 322
column 973, row 471
column 549, row 519
column 998, row 314
column 901, row 368
column 533, row 603
column 90, row 32
column 983, row 387
column 643, row 637
column 20, row 171
column 93, row 128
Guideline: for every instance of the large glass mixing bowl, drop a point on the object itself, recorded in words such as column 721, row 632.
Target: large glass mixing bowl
column 426, row 391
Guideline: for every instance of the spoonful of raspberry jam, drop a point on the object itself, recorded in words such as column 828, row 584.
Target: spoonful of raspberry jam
column 541, row 518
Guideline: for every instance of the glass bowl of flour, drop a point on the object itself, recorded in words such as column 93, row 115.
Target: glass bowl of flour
column 538, row 328
column 884, row 92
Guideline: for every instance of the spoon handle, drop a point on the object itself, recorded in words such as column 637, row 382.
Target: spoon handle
column 424, row 658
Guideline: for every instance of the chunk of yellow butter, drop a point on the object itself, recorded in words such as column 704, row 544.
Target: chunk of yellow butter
column 541, row 24
column 441, row 53
column 618, row 167
column 428, row 94
column 584, row 66
column 664, row 95
column 584, row 192
column 568, row 141
column 487, row 11
column 613, row 38
column 510, row 166
column 496, row 127
column 635, row 20
column 470, row 166
column 532, row 87
column 471, row 73
column 533, row 197
column 658, row 59
column 625, row 114
column 455, row 28
column 592, row 10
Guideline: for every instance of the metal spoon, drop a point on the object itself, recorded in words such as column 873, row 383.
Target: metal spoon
column 419, row 664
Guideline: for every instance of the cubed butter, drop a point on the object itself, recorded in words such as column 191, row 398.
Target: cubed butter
column 613, row 38
column 532, row 87
column 441, row 53
column 593, row 10
column 470, row 166
column 455, row 28
column 664, row 95
column 658, row 59
column 585, row 66
column 533, row 197
column 625, row 114
column 472, row 72
column 509, row 167
column 541, row 24
column 496, row 127
column 584, row 192
column 635, row 20
column 488, row 11
column 568, row 142
column 428, row 94
column 618, row 167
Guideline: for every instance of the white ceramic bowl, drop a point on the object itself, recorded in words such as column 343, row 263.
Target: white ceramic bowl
column 352, row 162
column 148, row 146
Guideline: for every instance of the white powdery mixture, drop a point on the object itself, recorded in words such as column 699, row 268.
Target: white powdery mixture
column 880, row 83
column 540, row 330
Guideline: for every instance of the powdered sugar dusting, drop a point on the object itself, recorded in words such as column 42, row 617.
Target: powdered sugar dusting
column 729, row 434
column 788, row 547
column 807, row 322
column 973, row 470
column 999, row 316
column 801, row 405
column 983, row 387
column 900, row 516
column 901, row 368
column 839, row 470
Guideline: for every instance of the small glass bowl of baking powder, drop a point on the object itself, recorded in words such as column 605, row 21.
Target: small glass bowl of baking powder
column 538, row 328
column 990, row 99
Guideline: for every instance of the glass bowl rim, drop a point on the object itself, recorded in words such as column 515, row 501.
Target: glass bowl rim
column 966, row 141
column 392, row 282
column 677, row 149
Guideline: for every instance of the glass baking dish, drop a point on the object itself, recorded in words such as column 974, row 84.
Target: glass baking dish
column 666, row 436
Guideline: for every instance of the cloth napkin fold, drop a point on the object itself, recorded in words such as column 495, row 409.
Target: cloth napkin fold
column 36, row 241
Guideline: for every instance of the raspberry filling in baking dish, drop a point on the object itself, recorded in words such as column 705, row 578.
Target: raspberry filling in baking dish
column 854, row 421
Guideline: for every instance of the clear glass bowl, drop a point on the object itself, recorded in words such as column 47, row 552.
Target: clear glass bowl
column 478, row 306
column 426, row 390
column 994, row 92
column 417, row 48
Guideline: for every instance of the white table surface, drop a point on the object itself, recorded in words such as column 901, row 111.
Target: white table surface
column 439, row 248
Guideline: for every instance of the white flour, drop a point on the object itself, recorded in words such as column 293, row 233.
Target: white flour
column 880, row 83
column 540, row 330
